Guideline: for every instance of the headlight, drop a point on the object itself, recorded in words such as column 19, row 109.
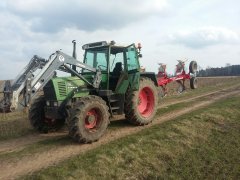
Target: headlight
column 48, row 103
column 55, row 103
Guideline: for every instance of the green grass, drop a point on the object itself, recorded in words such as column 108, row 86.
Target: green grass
column 16, row 127
column 204, row 144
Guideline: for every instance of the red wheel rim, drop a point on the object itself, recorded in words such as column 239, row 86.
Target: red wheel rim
column 92, row 119
column 146, row 102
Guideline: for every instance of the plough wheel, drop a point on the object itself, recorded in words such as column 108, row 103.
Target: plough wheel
column 193, row 83
column 193, row 67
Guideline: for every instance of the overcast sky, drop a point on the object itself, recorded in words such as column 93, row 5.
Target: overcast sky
column 204, row 30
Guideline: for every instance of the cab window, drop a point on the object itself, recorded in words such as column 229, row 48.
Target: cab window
column 116, row 59
column 132, row 62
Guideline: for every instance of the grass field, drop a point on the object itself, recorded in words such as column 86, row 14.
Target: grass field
column 204, row 144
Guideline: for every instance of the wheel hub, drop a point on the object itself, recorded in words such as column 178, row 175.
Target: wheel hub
column 91, row 119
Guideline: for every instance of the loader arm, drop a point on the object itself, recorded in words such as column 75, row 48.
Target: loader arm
column 28, row 85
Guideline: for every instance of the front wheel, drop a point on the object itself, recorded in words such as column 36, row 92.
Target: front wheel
column 39, row 121
column 36, row 115
column 88, row 120
column 141, row 105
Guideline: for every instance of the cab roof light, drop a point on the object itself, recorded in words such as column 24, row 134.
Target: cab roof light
column 139, row 46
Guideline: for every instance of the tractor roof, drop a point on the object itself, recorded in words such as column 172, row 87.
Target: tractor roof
column 101, row 44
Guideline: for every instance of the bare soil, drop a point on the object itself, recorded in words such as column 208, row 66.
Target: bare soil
column 20, row 143
column 11, row 169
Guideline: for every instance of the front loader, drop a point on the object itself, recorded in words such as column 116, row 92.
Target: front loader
column 108, row 82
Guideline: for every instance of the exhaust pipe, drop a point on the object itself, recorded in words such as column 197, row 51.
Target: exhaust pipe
column 74, row 55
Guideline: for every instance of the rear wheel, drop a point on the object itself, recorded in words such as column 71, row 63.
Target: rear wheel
column 88, row 120
column 193, row 83
column 141, row 105
column 38, row 120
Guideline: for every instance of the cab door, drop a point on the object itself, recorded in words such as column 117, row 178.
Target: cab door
column 133, row 67
column 130, row 74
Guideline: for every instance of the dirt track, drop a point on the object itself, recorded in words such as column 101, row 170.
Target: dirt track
column 11, row 169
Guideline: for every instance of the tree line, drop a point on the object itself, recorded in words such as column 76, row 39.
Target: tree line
column 233, row 70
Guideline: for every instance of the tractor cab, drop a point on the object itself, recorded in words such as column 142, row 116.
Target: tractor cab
column 119, row 65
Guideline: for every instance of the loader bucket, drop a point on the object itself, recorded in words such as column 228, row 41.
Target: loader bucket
column 4, row 107
column 5, row 102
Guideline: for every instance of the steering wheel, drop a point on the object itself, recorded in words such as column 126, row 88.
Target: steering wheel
column 102, row 66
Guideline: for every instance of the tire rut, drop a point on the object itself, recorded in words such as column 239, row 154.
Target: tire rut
column 20, row 143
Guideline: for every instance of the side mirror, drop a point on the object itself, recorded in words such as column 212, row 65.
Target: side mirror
column 140, row 55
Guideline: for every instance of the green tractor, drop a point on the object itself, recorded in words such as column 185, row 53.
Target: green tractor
column 108, row 82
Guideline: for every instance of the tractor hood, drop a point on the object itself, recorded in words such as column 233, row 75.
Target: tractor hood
column 61, row 88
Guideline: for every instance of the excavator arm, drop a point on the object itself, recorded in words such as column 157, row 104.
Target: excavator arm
column 27, row 85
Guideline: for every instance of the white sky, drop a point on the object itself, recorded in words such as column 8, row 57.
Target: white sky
column 204, row 30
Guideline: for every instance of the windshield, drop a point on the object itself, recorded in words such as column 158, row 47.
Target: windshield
column 96, row 58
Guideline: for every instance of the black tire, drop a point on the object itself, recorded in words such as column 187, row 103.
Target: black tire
column 133, row 111
column 193, row 83
column 193, row 67
column 36, row 115
column 88, row 119
column 37, row 118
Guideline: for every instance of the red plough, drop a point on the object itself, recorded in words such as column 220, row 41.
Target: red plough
column 180, row 76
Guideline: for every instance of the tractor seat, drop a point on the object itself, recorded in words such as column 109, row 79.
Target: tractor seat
column 115, row 75
column 117, row 69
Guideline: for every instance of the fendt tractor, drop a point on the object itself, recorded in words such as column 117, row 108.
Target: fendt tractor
column 108, row 82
